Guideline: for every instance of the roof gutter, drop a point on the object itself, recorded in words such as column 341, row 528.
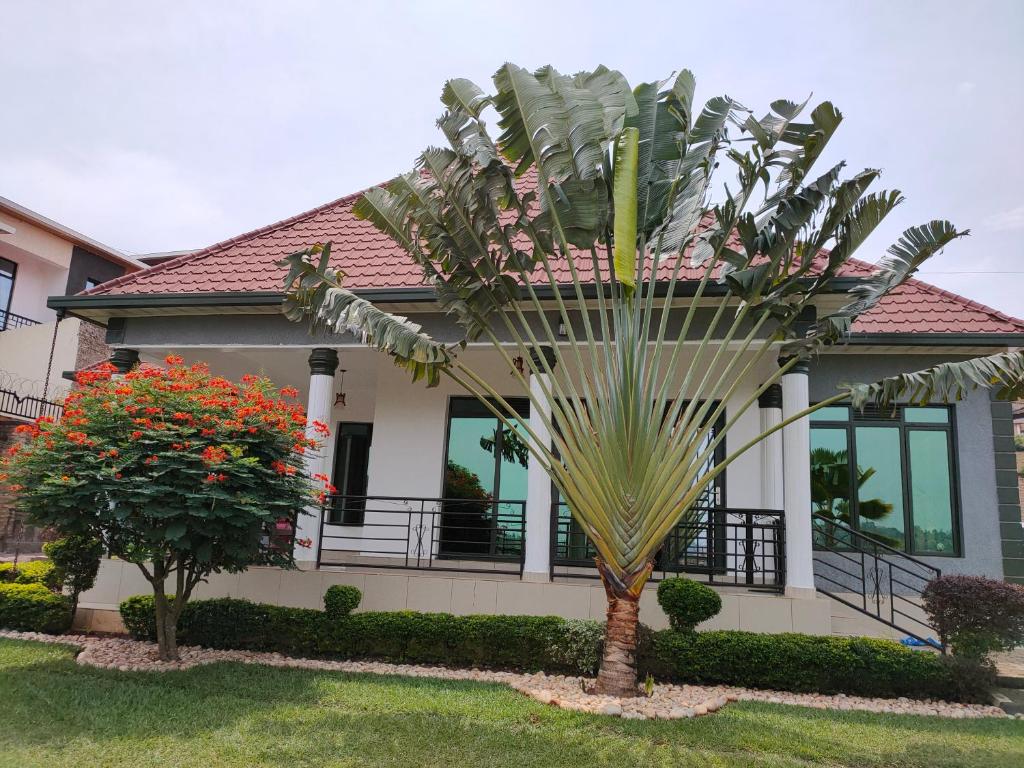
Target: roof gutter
column 415, row 294
column 111, row 303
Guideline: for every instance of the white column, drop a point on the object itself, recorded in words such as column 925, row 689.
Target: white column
column 323, row 363
column 537, row 561
column 796, row 448
column 770, row 403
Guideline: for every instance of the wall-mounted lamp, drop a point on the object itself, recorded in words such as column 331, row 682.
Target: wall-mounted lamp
column 339, row 399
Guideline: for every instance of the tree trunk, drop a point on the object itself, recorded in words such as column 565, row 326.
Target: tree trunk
column 166, row 625
column 617, row 675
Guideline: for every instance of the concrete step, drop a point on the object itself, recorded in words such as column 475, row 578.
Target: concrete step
column 1010, row 700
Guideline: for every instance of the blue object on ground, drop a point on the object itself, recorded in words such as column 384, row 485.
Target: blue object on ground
column 914, row 642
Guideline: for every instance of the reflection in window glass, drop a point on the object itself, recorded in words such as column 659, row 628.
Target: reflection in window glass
column 880, row 484
column 830, row 483
column 486, row 465
column 930, row 490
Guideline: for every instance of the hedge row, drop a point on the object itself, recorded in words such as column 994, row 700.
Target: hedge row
column 788, row 662
column 30, row 572
column 804, row 663
column 33, row 608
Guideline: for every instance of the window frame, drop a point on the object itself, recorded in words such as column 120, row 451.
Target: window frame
column 10, row 296
column 520, row 406
column 873, row 417
column 354, row 515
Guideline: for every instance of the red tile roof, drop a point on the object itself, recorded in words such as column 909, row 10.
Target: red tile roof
column 247, row 263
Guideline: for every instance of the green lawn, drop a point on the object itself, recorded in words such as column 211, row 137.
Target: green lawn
column 55, row 713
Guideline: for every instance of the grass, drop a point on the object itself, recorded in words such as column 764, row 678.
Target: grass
column 55, row 713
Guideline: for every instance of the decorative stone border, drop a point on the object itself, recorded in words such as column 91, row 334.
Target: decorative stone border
column 667, row 702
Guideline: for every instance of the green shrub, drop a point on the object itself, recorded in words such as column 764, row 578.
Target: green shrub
column 76, row 561
column 30, row 572
column 803, row 663
column 974, row 615
column 687, row 602
column 340, row 600
column 139, row 616
column 791, row 662
column 502, row 642
column 578, row 646
column 33, row 608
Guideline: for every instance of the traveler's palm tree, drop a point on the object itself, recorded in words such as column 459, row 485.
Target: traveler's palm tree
column 592, row 212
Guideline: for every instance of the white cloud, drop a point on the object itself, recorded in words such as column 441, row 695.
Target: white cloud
column 132, row 200
column 1006, row 221
column 966, row 87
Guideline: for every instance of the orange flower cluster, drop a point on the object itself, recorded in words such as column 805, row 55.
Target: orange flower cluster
column 170, row 409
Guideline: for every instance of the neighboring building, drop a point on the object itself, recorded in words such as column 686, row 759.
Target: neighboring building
column 40, row 258
column 400, row 453
column 1018, row 419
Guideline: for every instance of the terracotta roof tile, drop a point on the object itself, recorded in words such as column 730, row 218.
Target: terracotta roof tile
column 372, row 260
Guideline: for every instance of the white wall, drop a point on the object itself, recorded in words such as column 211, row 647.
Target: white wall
column 24, row 353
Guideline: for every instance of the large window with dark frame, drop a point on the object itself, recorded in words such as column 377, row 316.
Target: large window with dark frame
column 484, row 482
column 889, row 474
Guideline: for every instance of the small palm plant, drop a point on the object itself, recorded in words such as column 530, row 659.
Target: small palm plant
column 594, row 215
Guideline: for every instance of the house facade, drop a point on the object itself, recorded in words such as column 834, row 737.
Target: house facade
column 833, row 524
column 40, row 258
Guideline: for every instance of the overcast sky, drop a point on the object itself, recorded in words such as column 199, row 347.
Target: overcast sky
column 163, row 126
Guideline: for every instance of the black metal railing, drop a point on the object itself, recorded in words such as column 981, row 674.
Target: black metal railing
column 871, row 577
column 729, row 547
column 9, row 321
column 22, row 406
column 467, row 535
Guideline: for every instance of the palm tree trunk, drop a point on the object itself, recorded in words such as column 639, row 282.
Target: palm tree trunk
column 617, row 675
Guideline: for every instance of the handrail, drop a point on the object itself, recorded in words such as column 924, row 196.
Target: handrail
column 10, row 321
column 728, row 546
column 874, row 574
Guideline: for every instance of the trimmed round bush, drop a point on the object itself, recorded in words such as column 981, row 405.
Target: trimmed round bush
column 340, row 600
column 33, row 608
column 687, row 602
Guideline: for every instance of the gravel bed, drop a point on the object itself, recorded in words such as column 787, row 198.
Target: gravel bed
column 667, row 702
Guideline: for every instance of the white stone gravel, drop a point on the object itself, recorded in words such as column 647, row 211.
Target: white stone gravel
column 667, row 702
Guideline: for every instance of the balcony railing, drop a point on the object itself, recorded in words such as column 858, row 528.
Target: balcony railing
column 9, row 321
column 724, row 546
column 30, row 407
column 465, row 535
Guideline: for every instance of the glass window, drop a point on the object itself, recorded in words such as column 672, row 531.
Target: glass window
column 931, row 491
column 7, row 270
column 889, row 475
column 351, row 467
column 484, row 481
column 90, row 283
column 879, row 484
column 926, row 415
column 831, row 413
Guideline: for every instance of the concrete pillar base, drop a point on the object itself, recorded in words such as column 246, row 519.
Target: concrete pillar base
column 804, row 593
column 537, row 578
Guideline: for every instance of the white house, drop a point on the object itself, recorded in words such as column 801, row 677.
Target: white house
column 432, row 514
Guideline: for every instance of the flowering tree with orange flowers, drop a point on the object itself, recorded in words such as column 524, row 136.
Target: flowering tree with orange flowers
column 176, row 470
